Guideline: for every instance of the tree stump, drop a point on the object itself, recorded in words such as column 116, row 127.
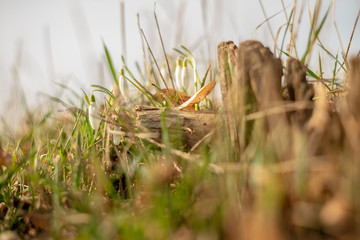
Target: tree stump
column 250, row 79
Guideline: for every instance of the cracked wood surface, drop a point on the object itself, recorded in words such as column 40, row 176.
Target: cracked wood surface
column 190, row 126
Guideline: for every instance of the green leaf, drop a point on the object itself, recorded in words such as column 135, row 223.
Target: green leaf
column 187, row 50
column 180, row 52
column 204, row 78
column 108, row 58
column 311, row 73
column 104, row 90
column 286, row 54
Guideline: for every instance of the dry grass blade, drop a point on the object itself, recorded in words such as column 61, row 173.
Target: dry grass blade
column 199, row 96
column 266, row 19
column 352, row 34
column 201, row 141
column 289, row 107
column 163, row 48
column 276, row 38
column 339, row 38
column 272, row 16
column 153, row 57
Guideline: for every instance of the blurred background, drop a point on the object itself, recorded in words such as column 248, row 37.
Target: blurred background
column 47, row 42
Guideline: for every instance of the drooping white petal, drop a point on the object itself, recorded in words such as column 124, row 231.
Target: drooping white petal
column 94, row 115
column 185, row 76
column 123, row 85
column 164, row 72
column 178, row 74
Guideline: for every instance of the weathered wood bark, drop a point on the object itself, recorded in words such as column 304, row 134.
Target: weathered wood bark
column 250, row 78
column 190, row 126
column 262, row 70
column 295, row 78
column 251, row 65
column 353, row 98
column 227, row 61
column 298, row 88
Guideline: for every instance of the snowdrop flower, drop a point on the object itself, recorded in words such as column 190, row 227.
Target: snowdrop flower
column 124, row 87
column 185, row 75
column 178, row 77
column 94, row 115
column 164, row 72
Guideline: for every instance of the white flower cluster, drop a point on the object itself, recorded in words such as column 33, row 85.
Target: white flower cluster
column 182, row 74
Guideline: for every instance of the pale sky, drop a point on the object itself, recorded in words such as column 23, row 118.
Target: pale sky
column 47, row 41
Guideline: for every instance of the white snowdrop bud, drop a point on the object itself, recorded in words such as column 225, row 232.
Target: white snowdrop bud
column 178, row 74
column 117, row 136
column 164, row 72
column 185, row 75
column 94, row 115
column 123, row 85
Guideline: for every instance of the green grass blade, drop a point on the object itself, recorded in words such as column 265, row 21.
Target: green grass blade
column 286, row 30
column 111, row 65
column 320, row 65
column 126, row 67
column 334, row 72
column 314, row 35
column 332, row 56
column 73, row 131
column 311, row 73
column 204, row 78
column 140, row 88
column 286, row 54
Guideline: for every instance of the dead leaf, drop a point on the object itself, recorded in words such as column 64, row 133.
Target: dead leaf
column 198, row 97
column 171, row 95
